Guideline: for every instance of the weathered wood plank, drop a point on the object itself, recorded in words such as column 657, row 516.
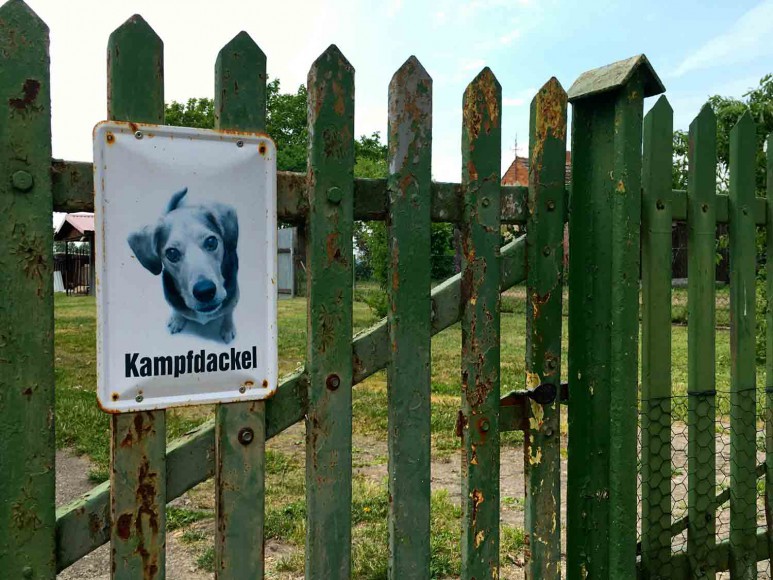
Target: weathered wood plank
column 408, row 319
column 191, row 459
column 240, row 427
column 27, row 473
column 73, row 188
column 769, row 352
column 135, row 92
column 603, row 329
column 656, row 342
column 544, row 296
column 329, row 320
column 743, row 369
column 479, row 417
column 701, row 381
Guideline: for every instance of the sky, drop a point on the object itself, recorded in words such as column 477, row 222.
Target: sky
column 698, row 48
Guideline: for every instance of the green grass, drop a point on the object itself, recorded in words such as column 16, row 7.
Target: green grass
column 84, row 428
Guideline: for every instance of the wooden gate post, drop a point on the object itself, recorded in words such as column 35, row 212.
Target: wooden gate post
column 605, row 211
column 27, row 307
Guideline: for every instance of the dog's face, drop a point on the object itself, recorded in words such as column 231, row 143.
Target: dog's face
column 195, row 248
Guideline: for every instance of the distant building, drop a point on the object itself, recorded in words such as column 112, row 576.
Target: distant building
column 518, row 174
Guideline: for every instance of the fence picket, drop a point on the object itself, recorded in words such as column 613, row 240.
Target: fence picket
column 743, row 390
column 607, row 105
column 138, row 440
column 27, row 311
column 769, row 351
column 544, row 295
column 329, row 358
column 240, row 439
column 656, row 341
column 479, row 419
column 701, row 381
column 408, row 374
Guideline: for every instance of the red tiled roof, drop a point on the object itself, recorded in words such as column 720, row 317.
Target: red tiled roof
column 518, row 172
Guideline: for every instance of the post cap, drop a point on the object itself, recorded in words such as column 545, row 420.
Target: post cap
column 613, row 76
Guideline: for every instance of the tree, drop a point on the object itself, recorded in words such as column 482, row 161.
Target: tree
column 728, row 110
column 286, row 122
column 199, row 113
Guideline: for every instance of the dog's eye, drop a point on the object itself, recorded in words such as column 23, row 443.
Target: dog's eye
column 210, row 243
column 172, row 254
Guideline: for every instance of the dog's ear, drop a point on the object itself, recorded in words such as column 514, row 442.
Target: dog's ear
column 143, row 244
column 227, row 222
column 176, row 200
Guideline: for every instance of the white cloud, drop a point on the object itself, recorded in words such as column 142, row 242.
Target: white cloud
column 471, row 64
column 521, row 98
column 746, row 39
column 394, row 7
column 509, row 38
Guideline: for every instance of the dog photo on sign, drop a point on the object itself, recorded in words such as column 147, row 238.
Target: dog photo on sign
column 193, row 248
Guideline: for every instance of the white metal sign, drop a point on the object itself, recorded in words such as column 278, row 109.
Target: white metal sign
column 186, row 266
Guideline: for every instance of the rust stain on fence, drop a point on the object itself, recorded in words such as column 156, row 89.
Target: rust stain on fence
column 30, row 89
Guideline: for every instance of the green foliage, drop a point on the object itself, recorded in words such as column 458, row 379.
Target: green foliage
column 286, row 122
column 759, row 101
column 199, row 113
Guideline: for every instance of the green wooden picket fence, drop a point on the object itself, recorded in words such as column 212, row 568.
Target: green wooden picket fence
column 610, row 223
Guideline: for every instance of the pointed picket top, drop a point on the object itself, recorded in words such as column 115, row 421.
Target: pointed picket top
column 331, row 58
column 137, row 27
column 20, row 13
column 482, row 104
column 549, row 110
column 240, row 85
column 410, row 114
column 410, row 69
column 614, row 76
column 331, row 77
column 705, row 115
column 744, row 125
column 661, row 107
column 135, row 73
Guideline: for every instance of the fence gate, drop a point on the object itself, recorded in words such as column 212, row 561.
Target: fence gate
column 618, row 205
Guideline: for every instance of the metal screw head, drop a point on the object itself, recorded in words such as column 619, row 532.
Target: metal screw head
column 546, row 251
column 333, row 382
column 485, row 201
column 242, row 389
column 551, row 205
column 485, row 425
column 138, row 135
column 334, row 195
column 246, row 435
column 22, row 180
column 139, row 398
column 548, row 432
column 240, row 143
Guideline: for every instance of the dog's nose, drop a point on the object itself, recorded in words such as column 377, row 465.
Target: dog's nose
column 204, row 290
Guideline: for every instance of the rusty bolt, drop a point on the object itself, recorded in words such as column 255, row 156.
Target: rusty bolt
column 546, row 251
column 138, row 135
column 548, row 432
column 551, row 363
column 334, row 195
column 22, row 180
column 26, row 572
column 246, row 435
column 242, row 389
column 484, row 425
column 551, row 205
column 333, row 382
column 485, row 201
column 139, row 398
column 240, row 143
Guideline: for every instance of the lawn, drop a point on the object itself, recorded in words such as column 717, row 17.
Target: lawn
column 81, row 426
